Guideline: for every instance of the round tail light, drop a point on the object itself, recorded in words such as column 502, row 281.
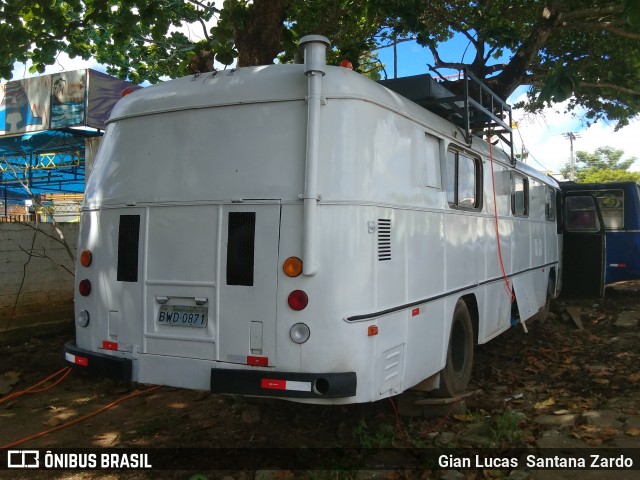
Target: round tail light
column 298, row 300
column 84, row 287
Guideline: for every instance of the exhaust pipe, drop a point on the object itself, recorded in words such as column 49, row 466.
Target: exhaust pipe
column 315, row 61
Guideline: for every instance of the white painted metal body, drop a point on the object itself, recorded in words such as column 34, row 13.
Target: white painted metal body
column 183, row 154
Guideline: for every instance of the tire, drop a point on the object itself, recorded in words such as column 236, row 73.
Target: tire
column 456, row 374
column 547, row 305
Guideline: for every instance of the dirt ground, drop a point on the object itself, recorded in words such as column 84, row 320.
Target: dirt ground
column 571, row 381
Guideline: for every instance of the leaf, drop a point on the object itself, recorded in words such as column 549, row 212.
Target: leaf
column 594, row 442
column 633, row 432
column 600, row 381
column 632, row 13
column 634, row 377
column 464, row 418
column 52, row 422
column 545, row 404
column 8, row 380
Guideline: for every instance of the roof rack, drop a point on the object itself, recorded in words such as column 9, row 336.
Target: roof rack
column 477, row 110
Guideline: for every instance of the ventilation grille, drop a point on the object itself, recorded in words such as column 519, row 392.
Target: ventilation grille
column 128, row 235
column 384, row 239
column 240, row 248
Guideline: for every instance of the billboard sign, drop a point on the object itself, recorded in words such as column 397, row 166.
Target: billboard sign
column 25, row 106
column 68, row 94
column 79, row 98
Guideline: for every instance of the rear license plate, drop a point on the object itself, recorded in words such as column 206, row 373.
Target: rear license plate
column 183, row 316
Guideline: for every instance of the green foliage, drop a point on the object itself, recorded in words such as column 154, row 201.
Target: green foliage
column 605, row 176
column 583, row 51
column 382, row 436
column 503, row 428
column 603, row 165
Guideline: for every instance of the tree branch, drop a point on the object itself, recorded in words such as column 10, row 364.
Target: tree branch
column 32, row 253
column 610, row 86
column 204, row 29
column 396, row 42
column 206, row 7
column 37, row 201
column 590, row 13
column 608, row 26
column 24, row 277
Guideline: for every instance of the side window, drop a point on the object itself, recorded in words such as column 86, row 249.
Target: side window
column 612, row 208
column 463, row 181
column 520, row 196
column 581, row 215
column 550, row 204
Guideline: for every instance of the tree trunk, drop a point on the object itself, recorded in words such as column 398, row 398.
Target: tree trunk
column 512, row 75
column 258, row 39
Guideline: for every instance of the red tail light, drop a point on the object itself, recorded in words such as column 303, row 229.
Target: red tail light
column 84, row 287
column 298, row 300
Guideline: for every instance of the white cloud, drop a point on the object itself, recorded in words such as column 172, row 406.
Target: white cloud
column 543, row 136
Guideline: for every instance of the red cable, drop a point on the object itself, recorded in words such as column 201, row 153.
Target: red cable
column 65, row 371
column 80, row 419
column 495, row 216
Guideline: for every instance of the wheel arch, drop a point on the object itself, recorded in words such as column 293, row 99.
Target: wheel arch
column 471, row 302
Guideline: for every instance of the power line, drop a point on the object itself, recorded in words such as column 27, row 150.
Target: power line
column 524, row 148
column 572, row 136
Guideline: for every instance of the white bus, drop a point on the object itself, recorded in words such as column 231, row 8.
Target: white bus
column 302, row 232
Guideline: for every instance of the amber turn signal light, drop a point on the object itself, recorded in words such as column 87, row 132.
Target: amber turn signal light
column 292, row 267
column 86, row 258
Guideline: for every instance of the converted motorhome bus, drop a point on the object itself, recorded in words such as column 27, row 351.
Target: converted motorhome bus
column 302, row 232
column 619, row 204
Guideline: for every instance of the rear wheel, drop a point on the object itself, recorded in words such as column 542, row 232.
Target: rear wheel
column 547, row 304
column 455, row 376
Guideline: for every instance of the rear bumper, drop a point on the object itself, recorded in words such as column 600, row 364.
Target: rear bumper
column 283, row 384
column 97, row 363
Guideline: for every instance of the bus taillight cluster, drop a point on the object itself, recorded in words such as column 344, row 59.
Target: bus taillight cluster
column 298, row 299
column 84, row 287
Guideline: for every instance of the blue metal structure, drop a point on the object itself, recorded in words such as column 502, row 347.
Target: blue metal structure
column 49, row 161
column 620, row 207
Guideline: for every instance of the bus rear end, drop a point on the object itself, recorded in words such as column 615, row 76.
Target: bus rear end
column 190, row 240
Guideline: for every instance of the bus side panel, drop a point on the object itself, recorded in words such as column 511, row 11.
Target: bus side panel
column 427, row 332
column 90, row 337
column 623, row 256
column 464, row 253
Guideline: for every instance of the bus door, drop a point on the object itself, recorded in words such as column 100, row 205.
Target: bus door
column 248, row 283
column 212, row 281
column 583, row 256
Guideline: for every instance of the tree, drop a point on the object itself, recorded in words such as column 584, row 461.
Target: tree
column 586, row 51
column 604, row 165
column 583, row 50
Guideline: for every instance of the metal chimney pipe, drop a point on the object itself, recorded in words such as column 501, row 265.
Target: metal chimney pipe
column 315, row 61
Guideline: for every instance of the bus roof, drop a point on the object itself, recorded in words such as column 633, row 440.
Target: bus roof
column 282, row 83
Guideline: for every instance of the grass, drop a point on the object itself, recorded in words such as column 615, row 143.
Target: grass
column 503, row 428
